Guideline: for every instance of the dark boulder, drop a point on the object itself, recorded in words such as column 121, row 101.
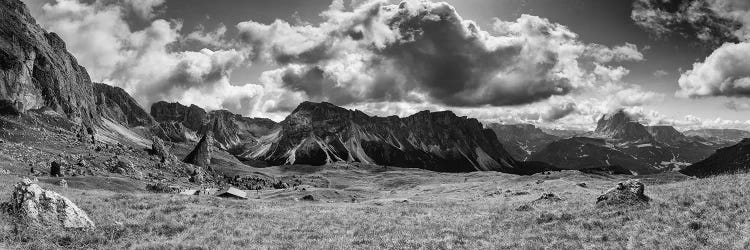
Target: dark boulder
column 55, row 169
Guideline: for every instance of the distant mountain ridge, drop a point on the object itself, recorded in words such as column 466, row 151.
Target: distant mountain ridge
column 621, row 141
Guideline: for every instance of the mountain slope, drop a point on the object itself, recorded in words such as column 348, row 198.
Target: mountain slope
column 37, row 71
column 521, row 140
column 725, row 161
column 320, row 133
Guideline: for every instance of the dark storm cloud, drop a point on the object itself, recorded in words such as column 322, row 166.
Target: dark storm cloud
column 699, row 19
column 425, row 51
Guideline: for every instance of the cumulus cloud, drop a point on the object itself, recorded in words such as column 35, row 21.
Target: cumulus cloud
column 141, row 61
column 737, row 106
column 726, row 72
column 722, row 23
column 418, row 51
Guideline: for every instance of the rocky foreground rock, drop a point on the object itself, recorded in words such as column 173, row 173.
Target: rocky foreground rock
column 33, row 205
column 627, row 193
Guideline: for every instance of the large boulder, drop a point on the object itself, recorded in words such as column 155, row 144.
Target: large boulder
column 158, row 149
column 201, row 155
column 626, row 193
column 35, row 206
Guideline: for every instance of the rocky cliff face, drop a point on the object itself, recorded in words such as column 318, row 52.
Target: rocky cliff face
column 117, row 105
column 620, row 126
column 320, row 133
column 37, row 71
column 231, row 132
column 521, row 140
column 725, row 161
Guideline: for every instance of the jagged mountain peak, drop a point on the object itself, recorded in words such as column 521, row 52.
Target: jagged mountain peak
column 619, row 125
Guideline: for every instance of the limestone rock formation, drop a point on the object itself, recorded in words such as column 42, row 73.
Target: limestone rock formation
column 628, row 193
column 36, row 206
column 322, row 133
column 37, row 72
column 117, row 105
column 201, row 155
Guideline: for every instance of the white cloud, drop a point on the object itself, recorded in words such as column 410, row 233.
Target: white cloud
column 141, row 61
column 726, row 72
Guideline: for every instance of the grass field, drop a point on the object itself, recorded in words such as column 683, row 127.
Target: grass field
column 410, row 209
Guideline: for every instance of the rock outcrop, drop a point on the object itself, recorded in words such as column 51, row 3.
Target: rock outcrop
column 201, row 155
column 322, row 133
column 33, row 205
column 37, row 72
column 727, row 160
column 628, row 193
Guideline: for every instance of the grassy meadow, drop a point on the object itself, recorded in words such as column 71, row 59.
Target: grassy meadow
column 476, row 212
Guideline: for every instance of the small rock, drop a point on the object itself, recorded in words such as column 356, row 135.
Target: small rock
column 539, row 181
column 308, row 197
column 630, row 192
column 549, row 197
column 63, row 183
column 582, row 184
column 524, row 208
column 36, row 206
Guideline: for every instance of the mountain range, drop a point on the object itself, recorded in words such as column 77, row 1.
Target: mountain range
column 39, row 75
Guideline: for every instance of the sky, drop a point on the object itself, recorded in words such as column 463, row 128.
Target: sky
column 552, row 63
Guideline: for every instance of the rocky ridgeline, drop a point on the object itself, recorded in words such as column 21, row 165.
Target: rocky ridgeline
column 322, row 133
column 230, row 131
